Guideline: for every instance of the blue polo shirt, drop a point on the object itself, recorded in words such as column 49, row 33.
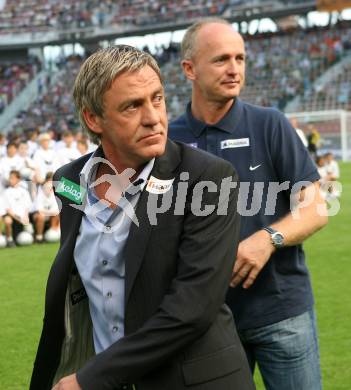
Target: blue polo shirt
column 268, row 156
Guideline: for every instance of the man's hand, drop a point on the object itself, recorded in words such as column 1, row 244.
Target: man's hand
column 67, row 383
column 253, row 254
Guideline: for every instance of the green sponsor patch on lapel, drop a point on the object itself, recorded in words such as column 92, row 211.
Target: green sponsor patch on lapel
column 70, row 190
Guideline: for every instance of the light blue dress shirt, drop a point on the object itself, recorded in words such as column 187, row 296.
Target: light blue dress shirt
column 98, row 255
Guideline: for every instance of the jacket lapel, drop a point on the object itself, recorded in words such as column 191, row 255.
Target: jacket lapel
column 139, row 235
column 71, row 217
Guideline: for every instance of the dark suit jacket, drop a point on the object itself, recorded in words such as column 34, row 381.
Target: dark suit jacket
column 178, row 333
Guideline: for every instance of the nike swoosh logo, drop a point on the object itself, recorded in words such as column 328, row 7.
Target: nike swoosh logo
column 253, row 168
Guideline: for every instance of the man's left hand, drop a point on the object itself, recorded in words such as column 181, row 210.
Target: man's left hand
column 253, row 254
column 68, row 383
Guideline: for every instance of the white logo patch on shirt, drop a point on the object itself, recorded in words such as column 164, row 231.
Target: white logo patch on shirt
column 235, row 143
column 158, row 186
column 193, row 144
column 255, row 167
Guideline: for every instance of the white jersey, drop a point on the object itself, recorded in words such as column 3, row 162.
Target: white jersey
column 46, row 160
column 17, row 199
column 66, row 155
column 45, row 202
column 8, row 164
column 32, row 148
column 92, row 147
column 333, row 169
column 29, row 168
column 323, row 173
column 2, row 151
column 302, row 136
column 2, row 204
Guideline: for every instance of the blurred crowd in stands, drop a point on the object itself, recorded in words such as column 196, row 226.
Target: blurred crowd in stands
column 35, row 16
column 280, row 67
column 54, row 108
column 284, row 66
column 142, row 13
column 14, row 76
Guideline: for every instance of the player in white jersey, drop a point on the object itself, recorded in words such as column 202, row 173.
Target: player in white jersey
column 45, row 209
column 2, row 145
column 45, row 157
column 32, row 143
column 17, row 205
column 68, row 152
column 12, row 161
column 332, row 168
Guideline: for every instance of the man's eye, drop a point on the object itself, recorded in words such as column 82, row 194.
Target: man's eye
column 158, row 98
column 131, row 106
column 220, row 61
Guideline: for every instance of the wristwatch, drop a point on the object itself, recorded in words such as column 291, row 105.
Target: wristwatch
column 277, row 238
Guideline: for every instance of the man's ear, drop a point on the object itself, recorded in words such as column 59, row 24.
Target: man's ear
column 188, row 69
column 92, row 120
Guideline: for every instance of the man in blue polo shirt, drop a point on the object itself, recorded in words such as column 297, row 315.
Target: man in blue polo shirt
column 270, row 295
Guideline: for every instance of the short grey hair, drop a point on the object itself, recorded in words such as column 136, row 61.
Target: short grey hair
column 97, row 74
column 189, row 40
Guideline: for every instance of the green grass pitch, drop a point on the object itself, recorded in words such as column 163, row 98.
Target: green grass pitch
column 23, row 274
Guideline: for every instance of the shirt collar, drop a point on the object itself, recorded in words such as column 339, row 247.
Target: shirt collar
column 87, row 170
column 227, row 124
column 144, row 175
column 88, row 174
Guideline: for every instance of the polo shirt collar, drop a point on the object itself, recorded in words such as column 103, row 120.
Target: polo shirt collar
column 227, row 124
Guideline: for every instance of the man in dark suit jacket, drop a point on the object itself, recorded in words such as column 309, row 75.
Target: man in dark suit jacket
column 175, row 256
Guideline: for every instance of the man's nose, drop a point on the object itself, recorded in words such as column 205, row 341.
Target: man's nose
column 150, row 115
column 232, row 66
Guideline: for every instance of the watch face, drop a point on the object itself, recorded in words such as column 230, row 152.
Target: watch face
column 278, row 239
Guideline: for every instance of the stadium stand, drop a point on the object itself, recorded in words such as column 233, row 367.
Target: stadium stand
column 139, row 12
column 54, row 108
column 335, row 93
column 29, row 15
column 280, row 67
column 14, row 76
column 286, row 65
column 42, row 16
